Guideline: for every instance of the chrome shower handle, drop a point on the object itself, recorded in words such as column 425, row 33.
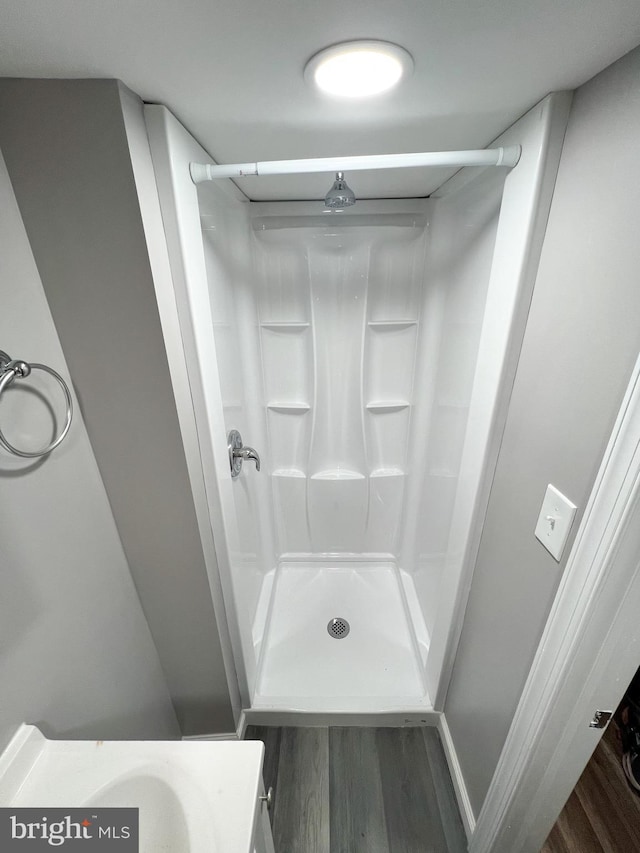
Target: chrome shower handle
column 248, row 453
column 238, row 453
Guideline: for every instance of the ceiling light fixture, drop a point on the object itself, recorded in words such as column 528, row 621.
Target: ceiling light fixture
column 358, row 69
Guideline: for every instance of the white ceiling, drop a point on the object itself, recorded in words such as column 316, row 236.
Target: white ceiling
column 231, row 70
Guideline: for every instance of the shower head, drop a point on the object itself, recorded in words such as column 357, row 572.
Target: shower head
column 340, row 195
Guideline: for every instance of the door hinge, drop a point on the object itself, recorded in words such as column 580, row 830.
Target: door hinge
column 600, row 719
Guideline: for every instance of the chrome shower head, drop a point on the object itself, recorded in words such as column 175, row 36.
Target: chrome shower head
column 340, row 195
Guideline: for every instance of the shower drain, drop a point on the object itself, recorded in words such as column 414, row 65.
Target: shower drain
column 338, row 628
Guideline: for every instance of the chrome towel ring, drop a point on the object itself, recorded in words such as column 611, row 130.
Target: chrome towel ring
column 11, row 369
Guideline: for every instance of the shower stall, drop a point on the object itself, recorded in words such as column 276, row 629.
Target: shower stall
column 367, row 357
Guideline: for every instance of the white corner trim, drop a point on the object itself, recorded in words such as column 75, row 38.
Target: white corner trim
column 242, row 725
column 459, row 786
column 549, row 740
column 525, row 206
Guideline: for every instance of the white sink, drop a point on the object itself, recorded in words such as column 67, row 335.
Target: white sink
column 193, row 796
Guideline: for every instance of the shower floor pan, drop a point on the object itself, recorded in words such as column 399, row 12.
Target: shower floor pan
column 374, row 666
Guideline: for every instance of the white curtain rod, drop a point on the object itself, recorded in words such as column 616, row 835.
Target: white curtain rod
column 508, row 156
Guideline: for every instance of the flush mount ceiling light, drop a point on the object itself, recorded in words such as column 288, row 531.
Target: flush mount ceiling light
column 358, row 69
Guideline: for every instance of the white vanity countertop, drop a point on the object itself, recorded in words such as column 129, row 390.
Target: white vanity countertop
column 200, row 793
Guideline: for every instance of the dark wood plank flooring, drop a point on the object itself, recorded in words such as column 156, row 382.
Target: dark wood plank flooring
column 360, row 790
column 602, row 815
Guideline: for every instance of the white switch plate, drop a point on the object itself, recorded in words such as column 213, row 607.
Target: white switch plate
column 554, row 521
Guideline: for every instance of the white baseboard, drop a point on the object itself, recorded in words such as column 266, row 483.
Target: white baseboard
column 464, row 803
column 285, row 717
column 222, row 736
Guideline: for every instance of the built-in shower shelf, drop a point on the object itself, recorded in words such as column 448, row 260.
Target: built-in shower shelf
column 382, row 406
column 289, row 472
column 386, row 472
column 391, row 325
column 289, row 408
column 337, row 474
column 285, row 327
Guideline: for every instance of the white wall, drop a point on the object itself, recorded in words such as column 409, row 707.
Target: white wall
column 76, row 655
column 582, row 339
column 67, row 151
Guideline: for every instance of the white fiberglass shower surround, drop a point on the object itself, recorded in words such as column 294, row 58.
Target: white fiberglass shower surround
column 367, row 357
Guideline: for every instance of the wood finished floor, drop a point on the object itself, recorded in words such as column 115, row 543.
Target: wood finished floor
column 359, row 790
column 602, row 815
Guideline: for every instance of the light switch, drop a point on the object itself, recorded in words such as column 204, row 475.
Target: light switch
column 554, row 521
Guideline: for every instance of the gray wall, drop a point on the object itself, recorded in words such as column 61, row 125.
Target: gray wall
column 76, row 655
column 67, row 154
column 582, row 339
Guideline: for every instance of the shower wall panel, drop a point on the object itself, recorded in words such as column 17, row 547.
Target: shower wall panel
column 347, row 351
column 463, row 240
column 339, row 308
column 226, row 240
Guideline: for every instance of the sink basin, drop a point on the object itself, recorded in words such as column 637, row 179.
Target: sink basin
column 163, row 817
column 193, row 796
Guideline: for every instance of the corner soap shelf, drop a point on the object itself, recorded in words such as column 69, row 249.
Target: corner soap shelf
column 380, row 407
column 391, row 325
column 296, row 473
column 289, row 408
column 285, row 327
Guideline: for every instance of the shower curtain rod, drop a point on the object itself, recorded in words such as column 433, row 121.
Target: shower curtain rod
column 508, row 156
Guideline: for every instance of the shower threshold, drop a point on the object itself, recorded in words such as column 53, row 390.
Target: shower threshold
column 305, row 666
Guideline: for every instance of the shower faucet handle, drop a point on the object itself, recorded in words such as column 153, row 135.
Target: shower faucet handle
column 248, row 453
column 238, row 453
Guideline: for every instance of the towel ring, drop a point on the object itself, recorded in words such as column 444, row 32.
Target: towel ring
column 10, row 370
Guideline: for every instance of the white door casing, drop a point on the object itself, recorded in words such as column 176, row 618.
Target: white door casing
column 588, row 654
